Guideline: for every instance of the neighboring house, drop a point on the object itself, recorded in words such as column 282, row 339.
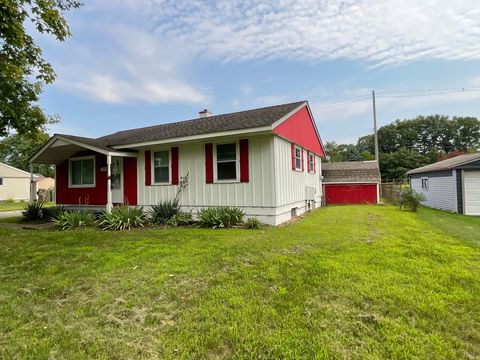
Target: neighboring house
column 15, row 183
column 266, row 161
column 351, row 182
column 452, row 184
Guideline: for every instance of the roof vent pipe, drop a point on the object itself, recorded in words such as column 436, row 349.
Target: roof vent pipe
column 204, row 113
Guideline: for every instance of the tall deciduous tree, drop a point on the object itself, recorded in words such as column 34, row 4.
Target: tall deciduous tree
column 16, row 150
column 23, row 71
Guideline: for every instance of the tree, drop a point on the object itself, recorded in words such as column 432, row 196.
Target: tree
column 23, row 71
column 394, row 165
column 16, row 150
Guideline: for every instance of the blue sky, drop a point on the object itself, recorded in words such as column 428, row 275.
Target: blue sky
column 133, row 63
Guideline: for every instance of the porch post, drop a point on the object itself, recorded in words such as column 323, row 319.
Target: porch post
column 109, row 183
column 33, row 194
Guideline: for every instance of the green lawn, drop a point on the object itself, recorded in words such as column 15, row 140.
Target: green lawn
column 343, row 283
column 12, row 206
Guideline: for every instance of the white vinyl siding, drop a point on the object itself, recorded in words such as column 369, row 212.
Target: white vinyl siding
column 258, row 192
column 441, row 191
column 290, row 186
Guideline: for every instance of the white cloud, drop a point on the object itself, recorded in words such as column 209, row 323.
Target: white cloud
column 380, row 32
column 125, row 64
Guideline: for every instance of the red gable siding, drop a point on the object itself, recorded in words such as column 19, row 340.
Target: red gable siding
column 299, row 128
column 85, row 196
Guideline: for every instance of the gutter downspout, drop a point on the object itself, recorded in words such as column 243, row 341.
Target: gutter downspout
column 32, row 186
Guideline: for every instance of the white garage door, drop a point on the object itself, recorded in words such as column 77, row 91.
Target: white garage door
column 472, row 192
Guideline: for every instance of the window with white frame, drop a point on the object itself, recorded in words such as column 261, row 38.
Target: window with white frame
column 227, row 161
column 425, row 183
column 82, row 172
column 161, row 167
column 311, row 162
column 298, row 158
column 1, row 181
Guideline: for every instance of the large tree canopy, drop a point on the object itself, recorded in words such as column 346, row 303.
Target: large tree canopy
column 411, row 143
column 23, row 71
column 17, row 149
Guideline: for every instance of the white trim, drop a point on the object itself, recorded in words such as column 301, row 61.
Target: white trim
column 237, row 162
column 70, row 185
column 78, row 143
column 311, row 153
column 266, row 129
column 152, row 164
column 295, row 146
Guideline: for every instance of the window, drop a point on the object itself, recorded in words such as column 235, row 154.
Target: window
column 424, row 183
column 161, row 167
column 298, row 158
column 1, row 181
column 227, row 161
column 82, row 172
column 311, row 162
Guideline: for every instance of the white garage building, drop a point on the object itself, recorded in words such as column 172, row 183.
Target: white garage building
column 452, row 184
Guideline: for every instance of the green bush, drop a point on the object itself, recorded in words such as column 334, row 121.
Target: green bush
column 253, row 223
column 52, row 212
column 122, row 218
column 163, row 211
column 70, row 219
column 180, row 219
column 33, row 211
column 220, row 217
column 411, row 199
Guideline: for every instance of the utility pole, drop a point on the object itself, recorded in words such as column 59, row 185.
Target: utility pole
column 375, row 135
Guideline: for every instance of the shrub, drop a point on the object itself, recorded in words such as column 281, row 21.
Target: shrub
column 253, row 223
column 163, row 211
column 122, row 218
column 33, row 211
column 180, row 219
column 68, row 220
column 220, row 217
column 51, row 213
column 411, row 199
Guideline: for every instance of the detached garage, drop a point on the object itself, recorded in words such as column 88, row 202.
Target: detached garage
column 353, row 182
column 452, row 184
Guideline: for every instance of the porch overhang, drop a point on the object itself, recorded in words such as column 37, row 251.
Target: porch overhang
column 59, row 148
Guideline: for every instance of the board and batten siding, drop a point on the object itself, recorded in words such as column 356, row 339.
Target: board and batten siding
column 255, row 197
column 442, row 189
column 290, row 185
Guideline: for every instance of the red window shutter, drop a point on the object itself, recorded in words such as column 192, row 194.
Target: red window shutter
column 302, row 161
column 209, row 163
column 244, row 174
column 148, row 167
column 174, row 151
column 293, row 157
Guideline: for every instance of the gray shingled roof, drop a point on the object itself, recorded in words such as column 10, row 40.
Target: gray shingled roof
column 351, row 171
column 448, row 164
column 248, row 119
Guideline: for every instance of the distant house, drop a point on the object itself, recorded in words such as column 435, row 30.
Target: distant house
column 265, row 161
column 452, row 184
column 15, row 183
column 351, row 182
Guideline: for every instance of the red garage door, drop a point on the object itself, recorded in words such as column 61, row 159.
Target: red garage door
column 351, row 194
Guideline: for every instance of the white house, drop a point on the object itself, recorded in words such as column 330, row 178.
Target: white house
column 266, row 161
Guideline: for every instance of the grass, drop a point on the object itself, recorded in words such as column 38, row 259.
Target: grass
column 344, row 283
column 12, row 206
